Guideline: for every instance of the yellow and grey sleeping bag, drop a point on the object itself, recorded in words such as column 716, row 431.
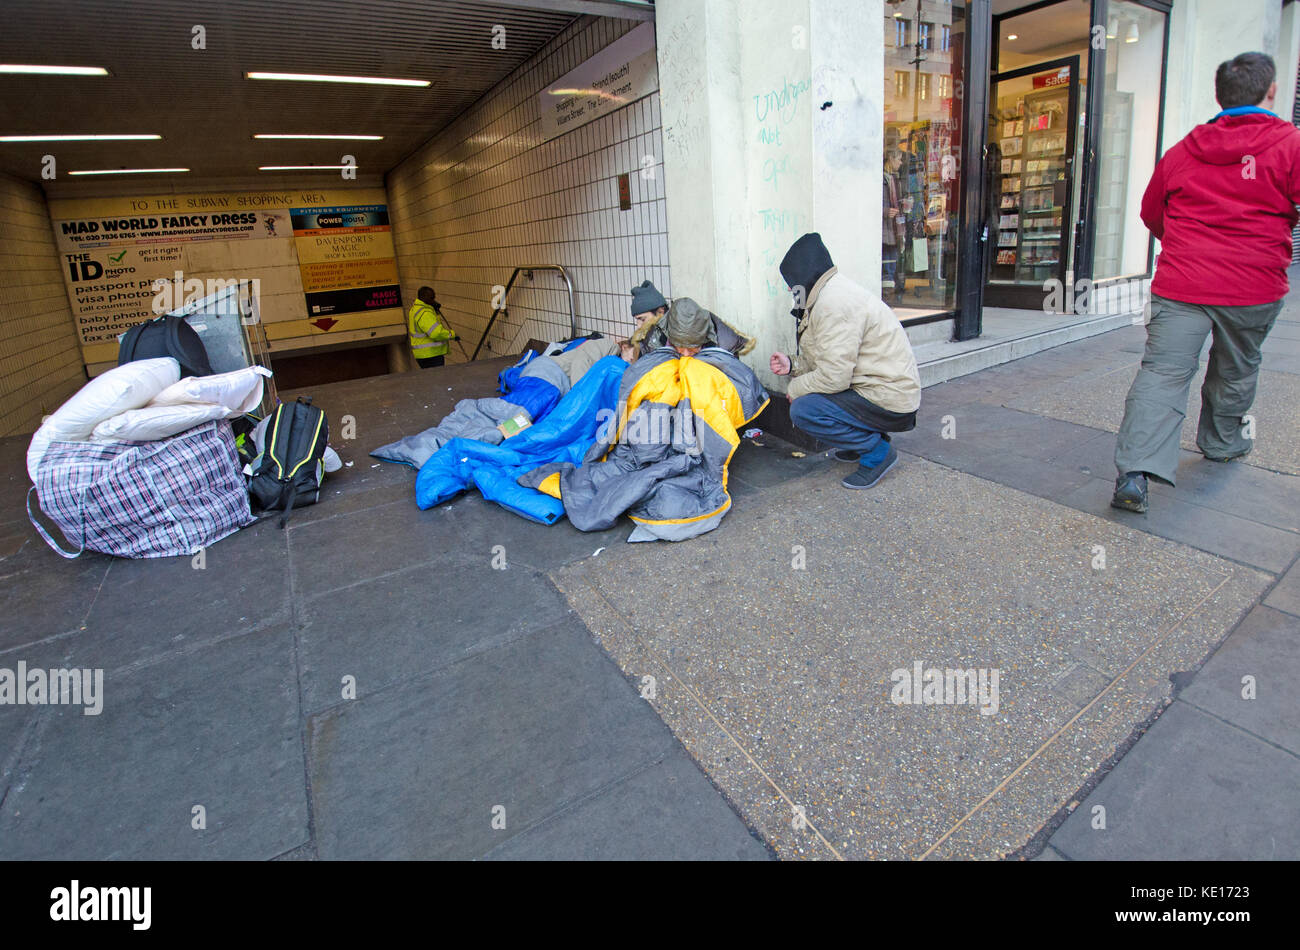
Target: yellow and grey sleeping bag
column 287, row 475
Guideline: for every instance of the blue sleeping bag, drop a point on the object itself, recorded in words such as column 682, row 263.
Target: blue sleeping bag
column 563, row 436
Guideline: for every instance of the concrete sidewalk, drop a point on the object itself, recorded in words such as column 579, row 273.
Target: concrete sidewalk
column 728, row 697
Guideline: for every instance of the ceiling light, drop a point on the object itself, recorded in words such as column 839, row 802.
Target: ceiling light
column 1013, row 36
column 128, row 171
column 54, row 70
column 346, row 138
column 301, row 168
column 315, row 77
column 1112, row 28
column 78, row 138
column 1132, row 35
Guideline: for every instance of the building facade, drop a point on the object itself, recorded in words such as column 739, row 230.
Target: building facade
column 959, row 157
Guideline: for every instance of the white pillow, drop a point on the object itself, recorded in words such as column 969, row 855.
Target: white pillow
column 121, row 388
column 157, row 422
column 240, row 391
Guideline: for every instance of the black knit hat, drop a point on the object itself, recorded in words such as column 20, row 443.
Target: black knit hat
column 646, row 298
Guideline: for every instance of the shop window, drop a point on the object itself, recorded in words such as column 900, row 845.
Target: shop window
column 923, row 131
column 1126, row 154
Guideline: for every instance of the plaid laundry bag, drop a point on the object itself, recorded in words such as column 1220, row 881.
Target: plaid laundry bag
column 143, row 499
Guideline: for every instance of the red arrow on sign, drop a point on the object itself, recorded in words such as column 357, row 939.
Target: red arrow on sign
column 324, row 322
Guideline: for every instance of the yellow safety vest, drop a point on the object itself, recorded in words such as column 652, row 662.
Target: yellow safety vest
column 427, row 334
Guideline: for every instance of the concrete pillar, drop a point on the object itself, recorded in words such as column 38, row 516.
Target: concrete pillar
column 752, row 159
column 1202, row 34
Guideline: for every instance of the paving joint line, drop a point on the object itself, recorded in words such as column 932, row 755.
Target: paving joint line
column 709, row 712
column 1240, row 728
column 1073, row 719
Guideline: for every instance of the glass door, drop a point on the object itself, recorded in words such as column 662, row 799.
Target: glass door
column 1033, row 119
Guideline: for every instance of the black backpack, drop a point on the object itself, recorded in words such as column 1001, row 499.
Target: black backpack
column 289, row 473
column 166, row 336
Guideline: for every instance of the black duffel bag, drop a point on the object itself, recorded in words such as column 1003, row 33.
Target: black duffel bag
column 166, row 336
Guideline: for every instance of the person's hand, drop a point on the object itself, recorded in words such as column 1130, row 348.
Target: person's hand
column 789, row 398
column 780, row 364
column 893, row 212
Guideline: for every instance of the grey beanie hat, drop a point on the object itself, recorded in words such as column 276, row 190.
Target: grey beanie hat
column 646, row 298
column 687, row 323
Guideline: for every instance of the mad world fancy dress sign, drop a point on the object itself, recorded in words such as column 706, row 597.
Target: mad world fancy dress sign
column 621, row 73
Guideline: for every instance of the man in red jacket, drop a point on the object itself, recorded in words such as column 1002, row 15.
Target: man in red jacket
column 1222, row 203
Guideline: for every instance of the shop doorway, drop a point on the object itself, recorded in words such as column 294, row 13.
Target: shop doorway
column 1031, row 165
column 1035, row 179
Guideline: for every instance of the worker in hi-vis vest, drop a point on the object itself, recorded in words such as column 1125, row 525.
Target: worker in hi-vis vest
column 428, row 332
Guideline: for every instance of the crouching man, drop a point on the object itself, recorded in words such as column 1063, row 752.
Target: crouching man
column 854, row 374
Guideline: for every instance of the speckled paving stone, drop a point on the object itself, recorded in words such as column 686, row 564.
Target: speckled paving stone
column 785, row 672
column 1099, row 402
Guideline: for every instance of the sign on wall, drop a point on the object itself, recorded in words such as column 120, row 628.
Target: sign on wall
column 621, row 73
column 127, row 259
column 110, row 262
column 347, row 259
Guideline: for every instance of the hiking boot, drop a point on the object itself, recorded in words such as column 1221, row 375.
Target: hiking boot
column 846, row 455
column 867, row 476
column 1130, row 492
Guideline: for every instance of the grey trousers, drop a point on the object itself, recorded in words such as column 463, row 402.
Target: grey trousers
column 1157, row 402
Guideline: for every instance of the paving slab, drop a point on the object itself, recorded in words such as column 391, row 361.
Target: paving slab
column 794, row 665
column 1226, row 535
column 532, row 726
column 217, row 728
column 238, row 585
column 668, row 812
column 415, row 622
column 42, row 594
column 1285, row 595
column 1098, row 402
column 1201, row 789
column 18, row 723
column 1266, row 648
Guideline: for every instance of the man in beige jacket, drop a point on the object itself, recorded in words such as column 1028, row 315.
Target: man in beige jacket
column 854, row 375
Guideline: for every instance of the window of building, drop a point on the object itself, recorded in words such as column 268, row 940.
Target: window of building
column 923, row 139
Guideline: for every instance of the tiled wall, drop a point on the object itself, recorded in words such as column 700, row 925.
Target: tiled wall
column 486, row 195
column 40, row 364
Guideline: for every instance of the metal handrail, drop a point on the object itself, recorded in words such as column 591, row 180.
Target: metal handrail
column 573, row 314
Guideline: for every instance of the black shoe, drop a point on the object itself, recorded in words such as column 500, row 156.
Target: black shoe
column 846, row 455
column 1130, row 492
column 866, row 477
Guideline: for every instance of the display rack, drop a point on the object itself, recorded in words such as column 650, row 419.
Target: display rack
column 1033, row 180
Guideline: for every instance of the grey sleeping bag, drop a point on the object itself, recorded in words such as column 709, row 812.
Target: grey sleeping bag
column 471, row 419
